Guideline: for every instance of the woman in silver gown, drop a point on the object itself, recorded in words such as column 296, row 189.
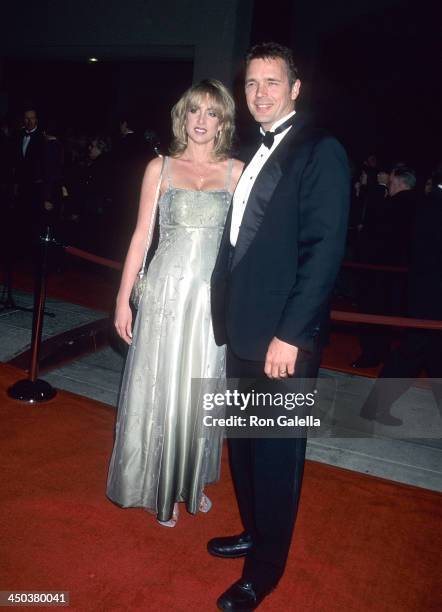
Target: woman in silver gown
column 162, row 454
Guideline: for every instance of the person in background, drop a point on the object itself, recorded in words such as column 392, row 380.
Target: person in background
column 419, row 349
column 129, row 161
column 53, row 181
column 372, row 285
column 29, row 177
column 88, row 210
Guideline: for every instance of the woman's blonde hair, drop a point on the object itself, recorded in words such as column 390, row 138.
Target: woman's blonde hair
column 223, row 105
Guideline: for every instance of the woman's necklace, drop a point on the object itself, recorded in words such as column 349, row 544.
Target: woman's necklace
column 201, row 172
column 202, row 180
column 202, row 176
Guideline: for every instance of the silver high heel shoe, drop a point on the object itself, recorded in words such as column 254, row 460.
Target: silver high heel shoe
column 173, row 521
column 205, row 504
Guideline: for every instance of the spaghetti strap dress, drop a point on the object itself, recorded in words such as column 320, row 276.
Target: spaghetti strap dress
column 162, row 452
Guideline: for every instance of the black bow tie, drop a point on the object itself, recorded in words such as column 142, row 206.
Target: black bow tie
column 269, row 137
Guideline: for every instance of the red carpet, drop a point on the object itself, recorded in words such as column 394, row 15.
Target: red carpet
column 78, row 282
column 361, row 544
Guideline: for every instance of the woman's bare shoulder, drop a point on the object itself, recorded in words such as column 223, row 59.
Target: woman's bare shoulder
column 153, row 168
column 237, row 169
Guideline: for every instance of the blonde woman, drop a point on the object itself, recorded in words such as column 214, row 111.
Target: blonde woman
column 160, row 457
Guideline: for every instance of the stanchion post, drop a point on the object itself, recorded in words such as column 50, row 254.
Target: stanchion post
column 33, row 389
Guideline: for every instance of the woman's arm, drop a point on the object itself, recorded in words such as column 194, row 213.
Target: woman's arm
column 140, row 241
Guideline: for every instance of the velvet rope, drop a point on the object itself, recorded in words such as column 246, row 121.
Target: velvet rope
column 103, row 261
column 379, row 267
column 336, row 315
column 358, row 317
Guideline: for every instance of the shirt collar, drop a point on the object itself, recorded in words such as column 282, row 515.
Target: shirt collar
column 279, row 122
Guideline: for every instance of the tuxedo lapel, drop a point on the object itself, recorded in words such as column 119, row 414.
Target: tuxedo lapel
column 262, row 192
column 29, row 148
column 21, row 145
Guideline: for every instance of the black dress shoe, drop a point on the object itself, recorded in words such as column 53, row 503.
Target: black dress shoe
column 230, row 547
column 242, row 596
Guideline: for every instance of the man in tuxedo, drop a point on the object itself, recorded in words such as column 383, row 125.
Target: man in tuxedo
column 278, row 261
column 373, row 287
column 29, row 172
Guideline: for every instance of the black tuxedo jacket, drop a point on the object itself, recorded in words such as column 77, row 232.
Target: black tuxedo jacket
column 425, row 279
column 278, row 279
column 29, row 168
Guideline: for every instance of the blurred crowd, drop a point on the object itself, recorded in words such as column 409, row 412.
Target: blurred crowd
column 85, row 187
column 395, row 220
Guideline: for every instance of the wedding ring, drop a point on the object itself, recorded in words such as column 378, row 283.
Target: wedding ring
column 283, row 371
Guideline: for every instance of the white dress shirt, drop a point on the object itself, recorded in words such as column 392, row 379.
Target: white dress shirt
column 26, row 141
column 248, row 178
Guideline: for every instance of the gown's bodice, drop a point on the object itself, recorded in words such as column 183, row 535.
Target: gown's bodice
column 191, row 226
column 191, row 209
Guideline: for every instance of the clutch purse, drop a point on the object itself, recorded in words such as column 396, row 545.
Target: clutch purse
column 141, row 279
column 138, row 289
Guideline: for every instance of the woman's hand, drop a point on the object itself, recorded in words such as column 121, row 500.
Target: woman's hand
column 123, row 321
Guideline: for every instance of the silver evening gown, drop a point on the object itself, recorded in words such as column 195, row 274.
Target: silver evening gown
column 162, row 454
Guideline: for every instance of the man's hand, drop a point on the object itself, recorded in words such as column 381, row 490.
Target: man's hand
column 48, row 205
column 280, row 359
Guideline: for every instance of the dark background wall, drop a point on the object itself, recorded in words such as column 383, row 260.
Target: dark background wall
column 149, row 53
column 369, row 66
column 91, row 97
column 369, row 70
column 376, row 84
